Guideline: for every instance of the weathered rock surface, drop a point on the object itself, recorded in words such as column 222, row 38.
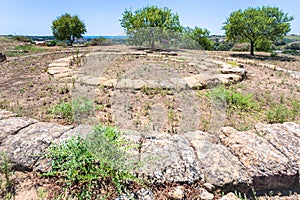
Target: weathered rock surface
column 284, row 137
column 221, row 167
column 26, row 147
column 266, row 158
column 6, row 114
column 230, row 196
column 10, row 126
column 265, row 164
column 205, row 195
column 169, row 159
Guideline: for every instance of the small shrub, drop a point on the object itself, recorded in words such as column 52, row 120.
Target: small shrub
column 101, row 41
column 51, row 43
column 29, row 48
column 6, row 183
column 233, row 63
column 263, row 45
column 241, row 47
column 293, row 46
column 292, row 52
column 222, row 46
column 21, row 38
column 273, row 54
column 234, row 100
column 70, row 110
column 63, row 110
column 295, row 109
column 279, row 114
column 98, row 160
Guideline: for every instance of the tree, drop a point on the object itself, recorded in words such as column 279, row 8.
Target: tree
column 257, row 24
column 149, row 24
column 67, row 27
column 200, row 36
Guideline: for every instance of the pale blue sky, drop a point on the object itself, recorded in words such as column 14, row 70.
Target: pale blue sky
column 34, row 17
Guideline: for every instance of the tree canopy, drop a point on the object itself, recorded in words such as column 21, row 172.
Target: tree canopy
column 67, row 27
column 257, row 24
column 149, row 24
column 200, row 36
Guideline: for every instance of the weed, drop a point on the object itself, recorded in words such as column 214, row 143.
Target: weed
column 42, row 193
column 279, row 114
column 98, row 160
column 63, row 110
column 6, row 184
column 233, row 63
column 240, row 195
column 63, row 89
column 147, row 108
column 234, row 100
column 70, row 110
column 172, row 119
column 21, row 49
column 295, row 108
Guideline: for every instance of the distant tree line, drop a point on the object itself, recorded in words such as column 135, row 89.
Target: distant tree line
column 250, row 29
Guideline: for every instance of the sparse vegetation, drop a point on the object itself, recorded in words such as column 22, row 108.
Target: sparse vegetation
column 27, row 89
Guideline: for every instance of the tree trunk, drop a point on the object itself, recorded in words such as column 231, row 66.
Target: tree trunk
column 152, row 44
column 251, row 47
column 72, row 39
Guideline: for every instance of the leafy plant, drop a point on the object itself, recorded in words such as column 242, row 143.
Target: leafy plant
column 234, row 100
column 282, row 113
column 21, row 38
column 64, row 110
column 279, row 114
column 99, row 159
column 77, row 107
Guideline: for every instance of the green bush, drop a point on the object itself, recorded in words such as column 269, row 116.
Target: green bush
column 292, row 52
column 100, row 42
column 234, row 100
column 21, row 38
column 282, row 113
column 222, row 46
column 29, row 48
column 295, row 108
column 51, row 43
column 98, row 160
column 293, row 46
column 77, row 107
column 263, row 45
column 279, row 114
column 241, row 47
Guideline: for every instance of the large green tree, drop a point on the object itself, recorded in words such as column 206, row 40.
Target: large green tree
column 149, row 24
column 201, row 36
column 257, row 24
column 67, row 27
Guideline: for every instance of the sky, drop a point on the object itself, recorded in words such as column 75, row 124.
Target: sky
column 34, row 17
